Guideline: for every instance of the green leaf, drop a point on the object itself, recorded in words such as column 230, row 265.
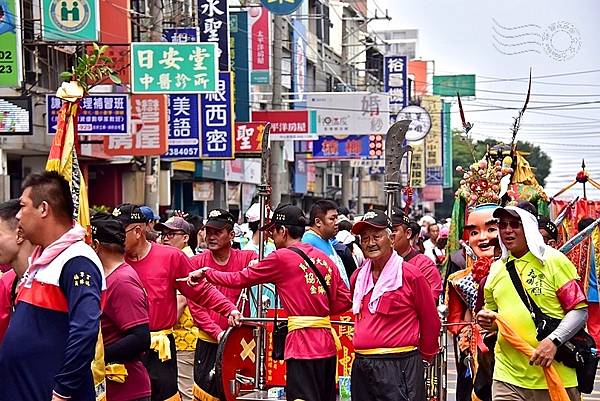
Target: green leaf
column 103, row 49
column 66, row 75
column 96, row 47
column 115, row 78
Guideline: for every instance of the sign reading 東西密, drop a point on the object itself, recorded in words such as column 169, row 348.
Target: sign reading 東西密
column 10, row 44
column 149, row 129
column 70, row 20
column 106, row 114
column 281, row 7
column 174, row 68
column 216, row 116
column 213, row 17
column 356, row 113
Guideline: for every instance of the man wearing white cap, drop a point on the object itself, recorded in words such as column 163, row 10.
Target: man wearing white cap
column 253, row 218
column 549, row 281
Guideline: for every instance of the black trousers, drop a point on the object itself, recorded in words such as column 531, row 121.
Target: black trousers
column 204, row 363
column 311, row 379
column 394, row 377
column 163, row 375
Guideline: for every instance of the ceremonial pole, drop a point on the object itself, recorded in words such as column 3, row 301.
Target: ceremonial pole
column 394, row 151
column 264, row 190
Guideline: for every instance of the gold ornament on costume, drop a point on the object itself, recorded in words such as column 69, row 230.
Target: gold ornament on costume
column 481, row 182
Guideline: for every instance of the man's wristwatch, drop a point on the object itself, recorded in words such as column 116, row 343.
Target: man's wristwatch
column 555, row 340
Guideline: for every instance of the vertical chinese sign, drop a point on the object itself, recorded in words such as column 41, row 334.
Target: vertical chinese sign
column 260, row 45
column 433, row 141
column 299, row 63
column 149, row 125
column 169, row 68
column 184, row 113
column 238, row 25
column 395, row 83
column 217, row 120
column 214, row 28
column 10, row 44
column 447, row 143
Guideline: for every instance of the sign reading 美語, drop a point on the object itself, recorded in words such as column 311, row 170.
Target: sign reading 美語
column 99, row 114
column 10, row 44
column 216, row 115
column 184, row 127
column 395, row 82
column 70, row 20
column 213, row 16
column 184, row 113
column 173, row 68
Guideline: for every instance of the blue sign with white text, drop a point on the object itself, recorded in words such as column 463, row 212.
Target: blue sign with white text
column 216, row 114
column 238, row 26
column 184, row 127
column 180, row 34
column 98, row 114
column 395, row 83
column 350, row 147
column 213, row 17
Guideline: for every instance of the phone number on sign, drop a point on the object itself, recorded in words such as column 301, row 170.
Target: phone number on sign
column 188, row 152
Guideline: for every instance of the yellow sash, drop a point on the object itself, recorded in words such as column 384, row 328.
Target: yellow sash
column 385, row 351
column 204, row 336
column 315, row 322
column 116, row 372
column 160, row 343
column 201, row 395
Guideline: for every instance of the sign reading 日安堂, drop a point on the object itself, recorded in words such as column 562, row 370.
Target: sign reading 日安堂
column 99, row 114
column 174, row 68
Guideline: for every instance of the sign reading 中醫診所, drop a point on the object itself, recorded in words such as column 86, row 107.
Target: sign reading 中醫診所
column 174, row 68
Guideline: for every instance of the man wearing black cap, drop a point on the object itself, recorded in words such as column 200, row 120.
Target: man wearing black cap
column 222, row 257
column 310, row 350
column 125, row 328
column 159, row 267
column 402, row 236
column 551, row 282
column 548, row 230
column 396, row 323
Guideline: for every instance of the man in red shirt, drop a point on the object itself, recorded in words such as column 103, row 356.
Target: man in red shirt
column 14, row 252
column 402, row 236
column 222, row 257
column 159, row 266
column 125, row 328
column 396, row 321
column 310, row 350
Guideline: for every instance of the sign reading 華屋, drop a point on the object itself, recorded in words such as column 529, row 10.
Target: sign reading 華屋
column 70, row 20
column 174, row 68
column 281, row 7
column 357, row 113
column 217, row 120
column 213, row 16
column 10, row 44
column 99, row 114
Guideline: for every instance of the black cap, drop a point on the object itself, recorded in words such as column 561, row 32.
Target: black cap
column 286, row 215
column 107, row 229
column 399, row 217
column 129, row 214
column 547, row 224
column 525, row 205
column 219, row 218
column 507, row 211
column 373, row 218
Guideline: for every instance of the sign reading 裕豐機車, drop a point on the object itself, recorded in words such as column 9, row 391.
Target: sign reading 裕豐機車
column 174, row 67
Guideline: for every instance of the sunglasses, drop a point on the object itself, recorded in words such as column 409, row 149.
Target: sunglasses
column 504, row 224
column 171, row 234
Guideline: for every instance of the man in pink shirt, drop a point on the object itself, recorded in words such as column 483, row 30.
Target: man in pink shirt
column 159, row 266
column 402, row 236
column 310, row 348
column 396, row 321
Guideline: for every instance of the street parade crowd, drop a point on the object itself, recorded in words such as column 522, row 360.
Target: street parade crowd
column 138, row 312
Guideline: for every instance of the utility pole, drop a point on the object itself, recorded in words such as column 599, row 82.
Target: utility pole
column 152, row 173
column 279, row 171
